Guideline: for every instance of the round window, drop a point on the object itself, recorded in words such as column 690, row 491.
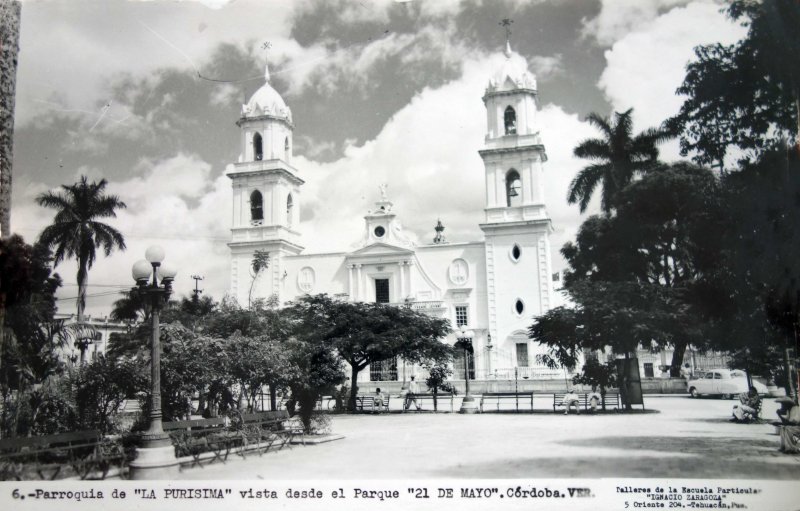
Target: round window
column 379, row 231
column 519, row 307
column 516, row 252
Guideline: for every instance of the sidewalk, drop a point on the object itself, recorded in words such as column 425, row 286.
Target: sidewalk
column 683, row 437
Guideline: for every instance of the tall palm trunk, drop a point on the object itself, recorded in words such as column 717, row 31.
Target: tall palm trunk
column 9, row 49
column 83, row 278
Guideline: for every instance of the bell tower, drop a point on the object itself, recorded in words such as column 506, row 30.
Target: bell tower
column 517, row 226
column 266, row 194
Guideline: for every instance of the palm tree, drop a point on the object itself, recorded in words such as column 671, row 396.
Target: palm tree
column 76, row 233
column 618, row 158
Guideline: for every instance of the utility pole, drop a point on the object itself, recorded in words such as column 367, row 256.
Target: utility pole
column 197, row 290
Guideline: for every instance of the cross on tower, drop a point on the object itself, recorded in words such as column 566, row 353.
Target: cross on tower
column 506, row 23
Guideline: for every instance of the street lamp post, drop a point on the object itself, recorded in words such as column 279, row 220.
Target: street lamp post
column 155, row 456
column 468, row 404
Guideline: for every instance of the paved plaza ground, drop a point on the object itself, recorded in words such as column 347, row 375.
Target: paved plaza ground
column 676, row 437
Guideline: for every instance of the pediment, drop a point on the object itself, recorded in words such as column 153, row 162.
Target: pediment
column 380, row 249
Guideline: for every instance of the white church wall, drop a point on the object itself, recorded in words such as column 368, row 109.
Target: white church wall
column 310, row 274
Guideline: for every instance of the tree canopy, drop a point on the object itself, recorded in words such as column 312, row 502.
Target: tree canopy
column 368, row 333
column 743, row 98
column 633, row 275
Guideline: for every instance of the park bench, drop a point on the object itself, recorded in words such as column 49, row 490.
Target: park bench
column 86, row 452
column 369, row 403
column 264, row 430
column 558, row 400
column 516, row 397
column 197, row 436
column 326, row 403
column 611, row 398
column 440, row 398
column 260, row 431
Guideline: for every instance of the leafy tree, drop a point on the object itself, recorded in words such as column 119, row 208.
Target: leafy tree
column 368, row 333
column 190, row 364
column 747, row 95
column 27, row 288
column 100, row 389
column 754, row 302
column 667, row 233
column 256, row 362
column 314, row 369
column 30, row 335
column 76, row 231
column 437, row 380
column 596, row 374
column 673, row 221
column 619, row 315
column 619, row 157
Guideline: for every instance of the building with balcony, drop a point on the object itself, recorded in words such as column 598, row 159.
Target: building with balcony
column 95, row 334
column 493, row 286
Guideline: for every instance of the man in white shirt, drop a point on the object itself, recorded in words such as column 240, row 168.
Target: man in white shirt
column 570, row 399
column 413, row 390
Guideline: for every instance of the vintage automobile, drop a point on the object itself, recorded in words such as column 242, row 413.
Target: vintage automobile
column 727, row 383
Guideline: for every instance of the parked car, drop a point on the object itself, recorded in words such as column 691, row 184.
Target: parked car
column 727, row 383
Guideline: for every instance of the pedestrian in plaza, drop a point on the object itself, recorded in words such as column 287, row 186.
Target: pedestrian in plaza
column 748, row 407
column 413, row 390
column 570, row 399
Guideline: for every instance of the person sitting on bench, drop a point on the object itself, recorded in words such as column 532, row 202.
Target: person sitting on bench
column 594, row 399
column 571, row 398
column 378, row 401
column 747, row 409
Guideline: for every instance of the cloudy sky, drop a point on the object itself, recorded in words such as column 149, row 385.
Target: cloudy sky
column 146, row 95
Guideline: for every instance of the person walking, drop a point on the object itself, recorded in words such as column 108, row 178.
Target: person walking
column 413, row 390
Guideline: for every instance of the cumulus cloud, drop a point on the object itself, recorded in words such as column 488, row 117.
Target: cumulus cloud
column 646, row 67
column 620, row 17
column 329, row 68
column 428, row 155
column 125, row 39
column 176, row 203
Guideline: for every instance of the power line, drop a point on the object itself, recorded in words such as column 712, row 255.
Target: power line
column 147, row 237
column 121, row 286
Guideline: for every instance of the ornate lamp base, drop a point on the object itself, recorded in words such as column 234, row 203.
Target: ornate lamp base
column 155, row 459
column 468, row 405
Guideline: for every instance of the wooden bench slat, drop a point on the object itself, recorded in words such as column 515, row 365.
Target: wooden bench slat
column 428, row 396
column 86, row 452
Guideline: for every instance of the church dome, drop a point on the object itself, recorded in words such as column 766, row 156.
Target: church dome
column 267, row 101
column 512, row 74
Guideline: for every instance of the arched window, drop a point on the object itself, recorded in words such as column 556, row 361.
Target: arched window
column 258, row 147
column 286, row 147
column 256, row 206
column 513, row 188
column 510, row 119
column 289, row 206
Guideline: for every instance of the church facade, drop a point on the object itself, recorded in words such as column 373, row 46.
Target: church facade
column 489, row 289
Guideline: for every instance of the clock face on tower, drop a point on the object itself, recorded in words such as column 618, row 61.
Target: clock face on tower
column 379, row 231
